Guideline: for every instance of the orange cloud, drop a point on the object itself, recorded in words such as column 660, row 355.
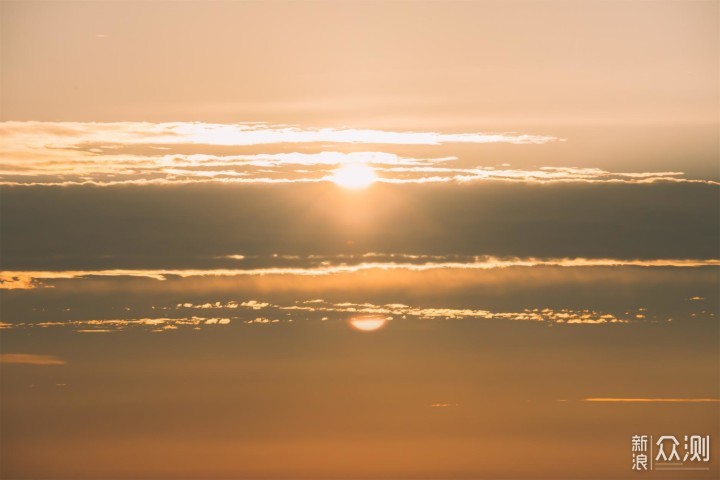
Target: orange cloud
column 30, row 359
column 32, row 278
column 653, row 400
column 126, row 153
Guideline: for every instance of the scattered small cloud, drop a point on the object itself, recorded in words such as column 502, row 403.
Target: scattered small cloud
column 262, row 320
column 116, row 325
column 16, row 282
column 364, row 316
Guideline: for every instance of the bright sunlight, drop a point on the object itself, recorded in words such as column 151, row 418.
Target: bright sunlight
column 354, row 176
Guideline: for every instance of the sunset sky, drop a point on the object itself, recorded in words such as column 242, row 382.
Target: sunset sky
column 357, row 239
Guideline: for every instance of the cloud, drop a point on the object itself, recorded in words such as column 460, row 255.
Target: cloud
column 34, row 279
column 77, row 168
column 653, row 400
column 16, row 282
column 622, row 291
column 262, row 320
column 30, row 359
column 338, row 311
column 137, row 153
column 548, row 315
column 72, row 153
column 113, row 325
column 61, row 134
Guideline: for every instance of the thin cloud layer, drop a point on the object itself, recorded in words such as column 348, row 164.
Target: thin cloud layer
column 257, row 312
column 652, row 400
column 194, row 316
column 66, row 153
column 63, row 134
column 22, row 280
column 643, row 295
column 140, row 153
column 160, row 324
column 30, row 359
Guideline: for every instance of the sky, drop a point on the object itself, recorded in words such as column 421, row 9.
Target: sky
column 358, row 239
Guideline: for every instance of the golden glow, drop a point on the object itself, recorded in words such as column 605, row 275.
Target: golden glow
column 367, row 324
column 654, row 400
column 354, row 175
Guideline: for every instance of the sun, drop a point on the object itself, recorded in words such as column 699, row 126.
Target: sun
column 367, row 324
column 354, row 176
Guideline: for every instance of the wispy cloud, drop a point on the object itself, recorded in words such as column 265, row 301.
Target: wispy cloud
column 260, row 169
column 61, row 134
column 252, row 312
column 569, row 316
column 30, row 359
column 140, row 153
column 653, row 400
column 160, row 324
column 33, row 279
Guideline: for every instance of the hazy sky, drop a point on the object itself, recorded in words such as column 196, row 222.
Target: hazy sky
column 432, row 65
column 368, row 239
